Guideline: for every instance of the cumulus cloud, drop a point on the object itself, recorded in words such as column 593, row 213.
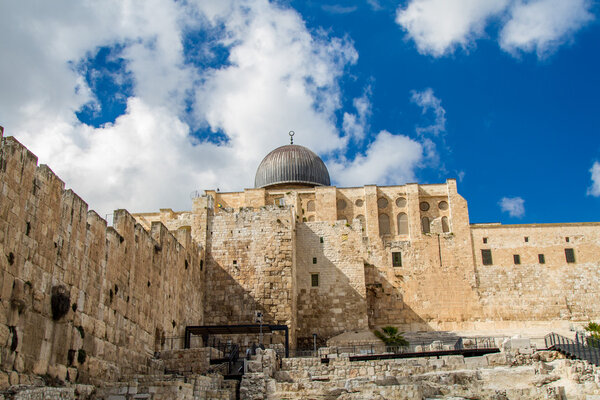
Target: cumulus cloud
column 439, row 27
column 389, row 159
column 514, row 206
column 275, row 77
column 427, row 100
column 594, row 190
column 355, row 124
column 207, row 90
column 543, row 25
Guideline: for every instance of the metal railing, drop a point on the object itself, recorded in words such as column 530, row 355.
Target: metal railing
column 582, row 348
column 415, row 347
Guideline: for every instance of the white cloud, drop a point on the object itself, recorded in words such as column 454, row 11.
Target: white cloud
column 339, row 9
column 594, row 190
column 278, row 77
column 427, row 100
column 514, row 206
column 389, row 159
column 543, row 25
column 355, row 125
column 439, row 27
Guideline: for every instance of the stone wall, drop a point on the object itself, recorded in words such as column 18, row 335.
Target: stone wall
column 250, row 267
column 338, row 302
column 80, row 295
column 531, row 290
column 441, row 283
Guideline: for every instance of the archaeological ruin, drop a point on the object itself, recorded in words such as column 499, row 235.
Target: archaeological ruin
column 129, row 310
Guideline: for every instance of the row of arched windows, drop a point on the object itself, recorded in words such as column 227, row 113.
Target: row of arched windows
column 402, row 224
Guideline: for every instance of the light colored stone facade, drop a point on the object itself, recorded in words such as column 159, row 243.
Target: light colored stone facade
column 320, row 260
column 440, row 281
column 120, row 292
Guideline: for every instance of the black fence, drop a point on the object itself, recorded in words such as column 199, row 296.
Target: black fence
column 582, row 348
column 416, row 346
column 222, row 349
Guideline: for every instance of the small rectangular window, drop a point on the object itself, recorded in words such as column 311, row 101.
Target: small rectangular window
column 484, row 240
column 314, row 280
column 567, row 239
column 321, row 239
column 517, row 259
column 234, row 262
column 486, row 257
column 526, row 239
column 314, row 260
column 570, row 255
column 397, row 259
column 541, row 259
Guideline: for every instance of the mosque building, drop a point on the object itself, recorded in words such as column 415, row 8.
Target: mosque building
column 326, row 260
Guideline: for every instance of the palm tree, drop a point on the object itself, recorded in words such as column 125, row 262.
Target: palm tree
column 391, row 337
column 594, row 329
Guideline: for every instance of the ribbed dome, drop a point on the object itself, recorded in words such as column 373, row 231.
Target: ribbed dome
column 291, row 164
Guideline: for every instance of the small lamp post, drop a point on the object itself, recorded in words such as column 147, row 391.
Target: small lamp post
column 259, row 319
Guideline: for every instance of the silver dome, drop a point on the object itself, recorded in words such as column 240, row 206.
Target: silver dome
column 291, row 164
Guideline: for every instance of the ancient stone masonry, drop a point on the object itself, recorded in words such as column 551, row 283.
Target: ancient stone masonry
column 396, row 255
column 251, row 267
column 85, row 302
column 331, row 279
column 80, row 300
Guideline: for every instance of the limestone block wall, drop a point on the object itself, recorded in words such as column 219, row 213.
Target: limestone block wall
column 552, row 290
column 435, row 288
column 173, row 220
column 250, row 267
column 80, row 295
column 333, row 252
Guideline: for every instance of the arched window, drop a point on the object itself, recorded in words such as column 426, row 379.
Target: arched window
column 311, row 218
column 445, row 226
column 384, row 224
column 402, row 224
column 361, row 218
column 310, row 206
column 425, row 224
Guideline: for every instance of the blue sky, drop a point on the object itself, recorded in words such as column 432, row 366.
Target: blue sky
column 137, row 104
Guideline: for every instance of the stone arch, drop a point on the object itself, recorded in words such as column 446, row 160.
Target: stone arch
column 310, row 206
column 402, row 221
column 311, row 218
column 361, row 218
column 425, row 225
column 384, row 224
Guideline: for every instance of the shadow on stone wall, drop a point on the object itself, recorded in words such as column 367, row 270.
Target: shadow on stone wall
column 338, row 304
column 386, row 305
